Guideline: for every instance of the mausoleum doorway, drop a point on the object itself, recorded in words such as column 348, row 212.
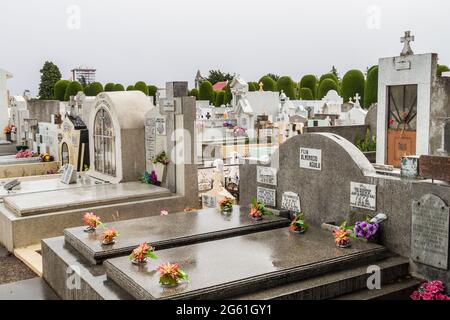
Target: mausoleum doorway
column 65, row 158
column 402, row 123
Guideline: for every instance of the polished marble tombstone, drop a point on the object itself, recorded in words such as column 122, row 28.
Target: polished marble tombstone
column 73, row 198
column 243, row 264
column 169, row 231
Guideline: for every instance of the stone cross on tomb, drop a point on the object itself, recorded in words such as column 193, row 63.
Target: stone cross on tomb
column 261, row 85
column 357, row 98
column 350, row 100
column 406, row 40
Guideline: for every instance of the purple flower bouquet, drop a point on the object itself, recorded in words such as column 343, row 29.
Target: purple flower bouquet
column 366, row 230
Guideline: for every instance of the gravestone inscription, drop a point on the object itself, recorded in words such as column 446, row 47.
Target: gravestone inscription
column 150, row 138
column 363, row 196
column 311, row 158
column 430, row 231
column 266, row 175
column 290, row 201
column 266, row 196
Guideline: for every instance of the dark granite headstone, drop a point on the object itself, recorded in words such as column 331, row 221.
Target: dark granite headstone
column 430, row 230
column 169, row 231
column 238, row 265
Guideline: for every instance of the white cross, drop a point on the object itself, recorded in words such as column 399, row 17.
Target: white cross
column 357, row 98
column 406, row 40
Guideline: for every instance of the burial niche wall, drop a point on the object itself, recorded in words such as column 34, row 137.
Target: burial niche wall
column 117, row 136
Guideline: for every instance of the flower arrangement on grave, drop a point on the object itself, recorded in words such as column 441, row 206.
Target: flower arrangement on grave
column 171, row 274
column 431, row 290
column 258, row 210
column 239, row 131
column 141, row 254
column 342, row 235
column 91, row 221
column 189, row 210
column 8, row 130
column 151, row 178
column 108, row 236
column 161, row 158
column 45, row 157
column 24, row 154
column 365, row 229
column 226, row 204
column 164, row 212
column 298, row 225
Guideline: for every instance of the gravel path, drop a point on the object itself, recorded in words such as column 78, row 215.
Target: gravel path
column 12, row 269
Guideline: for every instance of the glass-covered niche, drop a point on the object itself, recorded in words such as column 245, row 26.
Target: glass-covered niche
column 104, row 143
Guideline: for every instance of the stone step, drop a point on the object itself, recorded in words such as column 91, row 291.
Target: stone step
column 398, row 290
column 31, row 289
column 87, row 196
column 333, row 284
column 169, row 231
column 240, row 265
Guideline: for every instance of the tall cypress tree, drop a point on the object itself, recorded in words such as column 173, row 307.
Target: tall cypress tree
column 50, row 75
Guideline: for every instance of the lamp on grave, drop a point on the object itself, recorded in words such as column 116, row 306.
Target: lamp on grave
column 406, row 40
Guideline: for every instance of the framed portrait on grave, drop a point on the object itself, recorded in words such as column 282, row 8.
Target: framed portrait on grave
column 363, row 196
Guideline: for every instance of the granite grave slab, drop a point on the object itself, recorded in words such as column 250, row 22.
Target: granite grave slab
column 169, row 231
column 230, row 267
column 73, row 198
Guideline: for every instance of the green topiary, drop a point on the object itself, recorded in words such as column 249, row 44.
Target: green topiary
column 50, row 75
column 60, row 89
column 309, row 81
column 220, row 95
column 253, row 86
column 325, row 86
column 371, row 89
column 306, row 94
column 287, row 85
column 194, row 93
column 130, row 87
column 329, row 76
column 206, row 91
column 228, row 95
column 442, row 68
column 141, row 86
column 109, row 87
column 152, row 90
column 93, row 89
column 118, row 87
column 268, row 83
column 353, row 82
column 72, row 89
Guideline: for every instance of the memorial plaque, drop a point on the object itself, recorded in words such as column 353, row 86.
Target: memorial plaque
column 290, row 201
column 266, row 175
column 266, row 196
column 363, row 196
column 160, row 126
column 150, row 138
column 70, row 175
column 430, row 230
column 311, row 158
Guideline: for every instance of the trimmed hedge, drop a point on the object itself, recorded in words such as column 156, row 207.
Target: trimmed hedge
column 371, row 89
column 306, row 94
column 118, row 87
column 286, row 84
column 325, row 86
column 152, row 90
column 220, row 96
column 93, row 89
column 109, row 87
column 130, row 87
column 268, row 84
column 228, row 95
column 442, row 68
column 206, row 91
column 353, row 82
column 72, row 89
column 141, row 86
column 309, row 81
column 329, row 76
column 253, row 86
column 59, row 90
column 193, row 93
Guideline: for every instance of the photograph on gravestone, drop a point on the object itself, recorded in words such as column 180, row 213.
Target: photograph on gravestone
column 290, row 201
column 266, row 175
column 266, row 196
column 409, row 166
column 161, row 126
column 311, row 158
column 430, row 231
column 363, row 196
column 209, row 201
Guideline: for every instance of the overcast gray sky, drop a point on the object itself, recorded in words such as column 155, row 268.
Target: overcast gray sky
column 164, row 40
